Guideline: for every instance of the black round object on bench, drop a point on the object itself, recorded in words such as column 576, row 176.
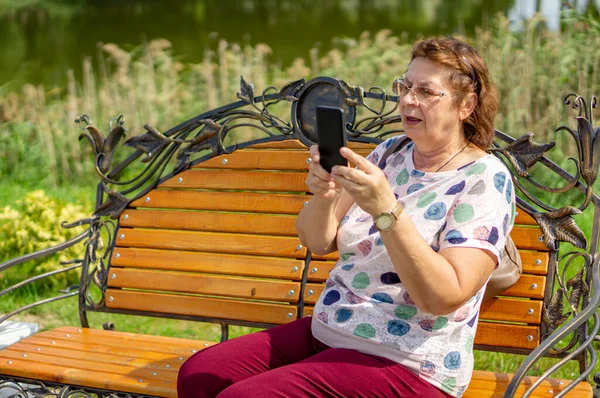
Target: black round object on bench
column 318, row 91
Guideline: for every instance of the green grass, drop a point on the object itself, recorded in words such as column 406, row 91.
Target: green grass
column 11, row 191
column 65, row 313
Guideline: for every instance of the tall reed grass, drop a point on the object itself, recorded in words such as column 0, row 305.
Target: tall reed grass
column 533, row 68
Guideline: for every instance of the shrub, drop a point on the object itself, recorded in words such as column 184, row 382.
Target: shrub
column 34, row 224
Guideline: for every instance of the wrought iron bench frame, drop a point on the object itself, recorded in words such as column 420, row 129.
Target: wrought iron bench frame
column 202, row 137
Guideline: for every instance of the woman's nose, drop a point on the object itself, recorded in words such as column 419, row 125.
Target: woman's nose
column 409, row 99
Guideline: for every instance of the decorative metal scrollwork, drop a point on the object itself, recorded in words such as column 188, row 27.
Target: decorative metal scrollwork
column 523, row 153
column 587, row 141
column 207, row 135
column 559, row 225
column 570, row 322
column 36, row 389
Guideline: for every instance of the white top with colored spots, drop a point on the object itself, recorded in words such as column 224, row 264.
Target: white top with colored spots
column 365, row 306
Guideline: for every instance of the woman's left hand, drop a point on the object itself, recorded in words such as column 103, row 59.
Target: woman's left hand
column 367, row 184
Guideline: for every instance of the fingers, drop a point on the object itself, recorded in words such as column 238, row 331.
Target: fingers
column 361, row 162
column 349, row 179
column 314, row 166
column 367, row 184
column 319, row 181
column 351, row 175
column 314, row 153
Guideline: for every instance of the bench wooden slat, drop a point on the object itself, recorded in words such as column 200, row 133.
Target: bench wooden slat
column 256, row 289
column 523, row 218
column 528, row 238
column 491, row 384
column 202, row 306
column 539, row 393
column 237, row 180
column 173, row 343
column 228, row 264
column 259, row 159
column 158, row 353
column 296, row 144
column 522, row 289
column 155, row 364
column 36, row 358
column 101, row 380
column 212, row 242
column 222, row 201
column 495, row 334
column 319, row 270
column 533, row 263
column 507, row 335
column 511, row 310
column 528, row 286
column 210, row 221
column 502, row 309
column 263, row 159
column 71, row 340
column 525, row 238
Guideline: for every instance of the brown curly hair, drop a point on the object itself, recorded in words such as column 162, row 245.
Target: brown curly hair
column 470, row 75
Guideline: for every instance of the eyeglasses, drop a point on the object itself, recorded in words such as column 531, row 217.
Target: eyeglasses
column 421, row 93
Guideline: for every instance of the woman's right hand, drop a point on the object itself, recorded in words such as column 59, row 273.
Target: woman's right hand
column 319, row 181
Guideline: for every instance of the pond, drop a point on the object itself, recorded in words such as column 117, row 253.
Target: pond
column 40, row 42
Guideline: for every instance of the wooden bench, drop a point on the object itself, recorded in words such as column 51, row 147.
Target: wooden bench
column 213, row 240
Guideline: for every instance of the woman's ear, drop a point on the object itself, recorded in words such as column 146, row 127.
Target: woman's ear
column 467, row 106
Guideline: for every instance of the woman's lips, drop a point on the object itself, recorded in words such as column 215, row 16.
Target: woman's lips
column 411, row 121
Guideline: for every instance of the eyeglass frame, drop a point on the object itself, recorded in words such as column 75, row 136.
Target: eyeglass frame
column 401, row 82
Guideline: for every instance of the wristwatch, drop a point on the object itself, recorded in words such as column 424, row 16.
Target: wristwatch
column 386, row 221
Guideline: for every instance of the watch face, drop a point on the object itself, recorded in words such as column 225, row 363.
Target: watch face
column 384, row 221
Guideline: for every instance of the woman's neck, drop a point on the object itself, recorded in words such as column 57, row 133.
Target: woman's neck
column 440, row 157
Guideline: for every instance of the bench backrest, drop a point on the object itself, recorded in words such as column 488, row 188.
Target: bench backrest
column 218, row 243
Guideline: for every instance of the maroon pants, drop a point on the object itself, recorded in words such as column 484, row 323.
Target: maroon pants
column 287, row 361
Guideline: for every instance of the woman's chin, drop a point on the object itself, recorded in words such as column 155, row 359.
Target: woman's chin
column 412, row 131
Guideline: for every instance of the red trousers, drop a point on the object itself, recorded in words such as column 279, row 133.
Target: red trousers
column 287, row 361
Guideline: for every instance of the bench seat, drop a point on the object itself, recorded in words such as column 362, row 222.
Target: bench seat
column 148, row 365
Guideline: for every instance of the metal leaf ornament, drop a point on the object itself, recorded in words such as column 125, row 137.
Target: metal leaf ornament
column 149, row 142
column 101, row 274
column 354, row 94
column 558, row 225
column 553, row 313
column 290, row 90
column 95, row 138
column 246, row 91
column 114, row 204
column 589, row 150
column 110, row 144
column 207, row 139
column 103, row 148
column 578, row 288
column 524, row 153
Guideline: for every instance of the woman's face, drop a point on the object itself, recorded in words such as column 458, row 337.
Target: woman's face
column 434, row 118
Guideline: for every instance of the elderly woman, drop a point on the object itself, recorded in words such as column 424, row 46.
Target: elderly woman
column 419, row 236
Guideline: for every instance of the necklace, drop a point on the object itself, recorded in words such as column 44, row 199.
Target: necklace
column 453, row 156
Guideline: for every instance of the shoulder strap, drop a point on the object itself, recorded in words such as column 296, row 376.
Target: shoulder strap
column 394, row 147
